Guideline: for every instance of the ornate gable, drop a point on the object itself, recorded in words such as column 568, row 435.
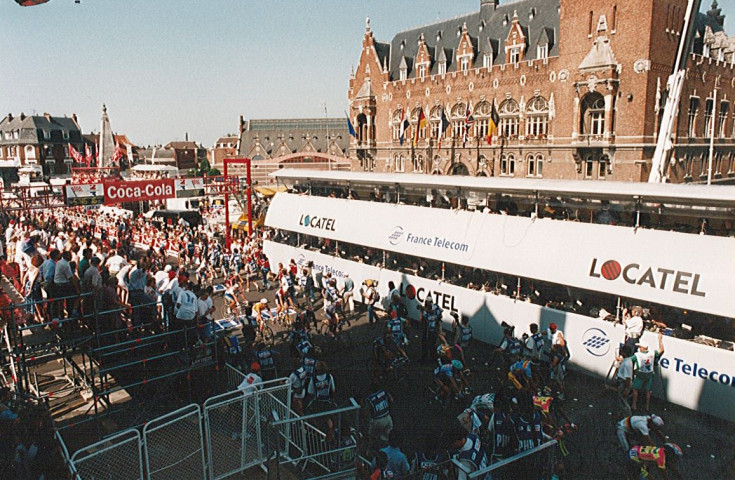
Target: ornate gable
column 465, row 52
column 516, row 42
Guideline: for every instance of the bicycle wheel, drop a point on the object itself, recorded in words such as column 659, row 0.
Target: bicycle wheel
column 268, row 336
column 324, row 329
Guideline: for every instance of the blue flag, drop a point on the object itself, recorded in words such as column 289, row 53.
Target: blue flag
column 350, row 128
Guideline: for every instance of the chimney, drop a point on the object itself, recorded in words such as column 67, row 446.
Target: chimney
column 186, row 136
column 47, row 115
column 10, row 117
column 22, row 116
column 487, row 7
column 74, row 117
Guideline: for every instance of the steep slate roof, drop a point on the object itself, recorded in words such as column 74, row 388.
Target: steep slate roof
column 546, row 17
column 181, row 145
column 31, row 128
column 293, row 132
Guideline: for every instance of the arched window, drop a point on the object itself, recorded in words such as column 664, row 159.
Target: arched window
column 482, row 117
column 459, row 169
column 459, row 113
column 508, row 164
column 537, row 118
column 435, row 119
column 509, row 118
column 396, row 125
column 419, row 164
column 593, row 114
column 401, row 164
column 361, row 128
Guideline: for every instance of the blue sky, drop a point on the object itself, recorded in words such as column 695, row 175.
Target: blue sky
column 168, row 67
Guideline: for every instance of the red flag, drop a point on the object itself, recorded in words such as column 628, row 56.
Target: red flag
column 87, row 155
column 78, row 158
column 117, row 154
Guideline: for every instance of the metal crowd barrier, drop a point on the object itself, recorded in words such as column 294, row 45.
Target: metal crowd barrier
column 526, row 464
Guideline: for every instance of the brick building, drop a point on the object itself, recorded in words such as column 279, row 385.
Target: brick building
column 37, row 139
column 578, row 88
column 223, row 148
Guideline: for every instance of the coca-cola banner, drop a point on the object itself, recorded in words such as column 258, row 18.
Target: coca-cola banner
column 139, row 190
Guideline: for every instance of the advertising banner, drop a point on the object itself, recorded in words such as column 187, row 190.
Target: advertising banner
column 692, row 272
column 185, row 184
column 86, row 194
column 694, row 376
column 139, row 190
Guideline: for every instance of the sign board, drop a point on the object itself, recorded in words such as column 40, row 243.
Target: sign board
column 138, row 190
column 86, row 194
column 692, row 272
column 694, row 376
column 185, row 184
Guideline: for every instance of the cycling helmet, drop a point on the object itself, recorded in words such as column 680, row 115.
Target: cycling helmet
column 672, row 447
column 263, row 301
column 657, row 421
column 457, row 364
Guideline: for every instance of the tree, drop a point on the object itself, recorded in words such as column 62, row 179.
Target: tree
column 213, row 172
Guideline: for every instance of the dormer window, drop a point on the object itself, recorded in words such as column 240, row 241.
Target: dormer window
column 65, row 134
column 542, row 51
column 465, row 63
column 404, row 74
column 47, row 134
column 442, row 68
column 514, row 55
column 487, row 60
column 422, row 71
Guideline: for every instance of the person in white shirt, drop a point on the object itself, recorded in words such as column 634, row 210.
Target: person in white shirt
column 252, row 381
column 633, row 326
column 115, row 263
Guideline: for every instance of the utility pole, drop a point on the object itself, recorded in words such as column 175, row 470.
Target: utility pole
column 326, row 123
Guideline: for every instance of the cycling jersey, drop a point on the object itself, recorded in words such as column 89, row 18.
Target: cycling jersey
column 379, row 404
column 640, row 454
column 465, row 335
column 332, row 294
column 523, row 366
column 445, row 372
column 544, row 403
column 486, row 400
column 433, row 318
column 259, row 308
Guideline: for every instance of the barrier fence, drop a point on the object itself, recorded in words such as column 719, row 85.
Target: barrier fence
column 326, row 441
column 526, row 465
column 117, row 457
column 174, row 446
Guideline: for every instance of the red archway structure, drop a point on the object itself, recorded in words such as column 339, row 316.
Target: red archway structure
column 249, row 183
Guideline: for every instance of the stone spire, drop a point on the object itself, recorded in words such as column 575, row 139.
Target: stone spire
column 107, row 142
column 716, row 13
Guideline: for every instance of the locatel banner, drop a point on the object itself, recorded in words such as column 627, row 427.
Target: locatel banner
column 139, row 191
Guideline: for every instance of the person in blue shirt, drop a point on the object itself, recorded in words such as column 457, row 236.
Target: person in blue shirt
column 397, row 461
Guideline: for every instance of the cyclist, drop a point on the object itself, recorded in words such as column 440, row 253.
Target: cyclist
column 287, row 288
column 231, row 297
column 331, row 317
column 446, row 377
column 666, row 458
column 258, row 310
column 395, row 326
column 639, row 428
column 386, row 351
column 307, row 317
column 521, row 375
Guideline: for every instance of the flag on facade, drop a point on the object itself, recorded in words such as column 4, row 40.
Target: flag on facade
column 469, row 121
column 404, row 126
column 87, row 155
column 117, row 154
column 420, row 124
column 78, row 158
column 350, row 127
column 492, row 124
column 443, row 125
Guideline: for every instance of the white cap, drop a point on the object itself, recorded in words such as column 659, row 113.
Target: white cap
column 656, row 420
column 263, row 300
column 642, row 345
column 167, row 268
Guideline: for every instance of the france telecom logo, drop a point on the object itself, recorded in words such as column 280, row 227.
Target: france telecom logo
column 596, row 342
column 396, row 235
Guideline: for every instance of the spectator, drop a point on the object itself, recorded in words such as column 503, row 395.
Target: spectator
column 397, row 461
column 377, row 405
column 644, row 361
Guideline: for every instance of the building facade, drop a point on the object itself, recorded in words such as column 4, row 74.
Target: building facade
column 224, row 147
column 320, row 143
column 576, row 88
column 37, row 140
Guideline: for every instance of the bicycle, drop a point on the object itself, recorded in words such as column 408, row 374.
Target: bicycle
column 339, row 339
column 253, row 330
column 394, row 371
